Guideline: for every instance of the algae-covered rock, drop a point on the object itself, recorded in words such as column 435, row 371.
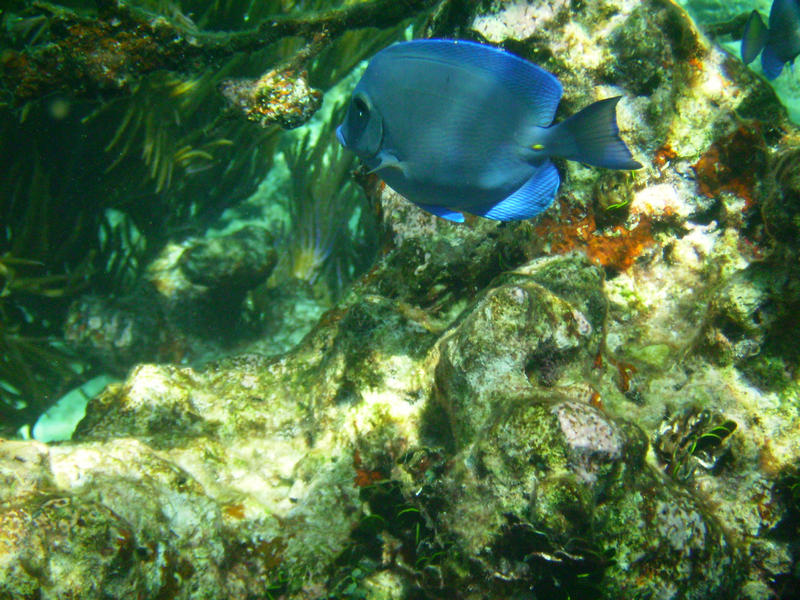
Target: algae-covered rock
column 515, row 327
column 474, row 418
column 541, row 461
column 189, row 305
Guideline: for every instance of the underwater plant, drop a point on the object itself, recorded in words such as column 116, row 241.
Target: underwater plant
column 105, row 52
column 133, row 91
column 332, row 232
column 693, row 438
column 779, row 208
column 35, row 366
column 176, row 162
column 155, row 112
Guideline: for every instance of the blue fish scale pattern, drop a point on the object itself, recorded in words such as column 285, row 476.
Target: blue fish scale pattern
column 540, row 90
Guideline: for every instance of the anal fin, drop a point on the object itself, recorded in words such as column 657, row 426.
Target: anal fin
column 531, row 199
column 441, row 211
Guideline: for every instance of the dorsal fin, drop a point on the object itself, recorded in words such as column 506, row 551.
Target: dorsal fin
column 541, row 90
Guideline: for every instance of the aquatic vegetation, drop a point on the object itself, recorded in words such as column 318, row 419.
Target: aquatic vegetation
column 341, row 56
column 395, row 533
column 98, row 226
column 107, row 53
column 159, row 161
column 780, row 208
column 35, row 287
column 459, row 424
column 154, row 120
column 332, row 231
column 121, row 256
column 59, row 238
column 85, row 55
column 175, row 163
column 34, row 366
column 693, row 438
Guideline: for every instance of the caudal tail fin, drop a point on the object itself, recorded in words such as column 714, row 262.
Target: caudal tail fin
column 592, row 136
column 770, row 63
column 753, row 38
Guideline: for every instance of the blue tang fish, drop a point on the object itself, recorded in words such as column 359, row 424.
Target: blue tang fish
column 456, row 126
column 779, row 43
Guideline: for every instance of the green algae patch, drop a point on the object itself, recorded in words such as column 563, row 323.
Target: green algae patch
column 655, row 355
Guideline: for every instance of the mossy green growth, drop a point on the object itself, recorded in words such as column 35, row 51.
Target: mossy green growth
column 768, row 372
column 654, row 355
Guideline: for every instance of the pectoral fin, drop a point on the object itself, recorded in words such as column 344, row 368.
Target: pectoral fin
column 388, row 161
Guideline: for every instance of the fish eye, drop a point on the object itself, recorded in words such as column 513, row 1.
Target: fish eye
column 358, row 116
column 362, row 110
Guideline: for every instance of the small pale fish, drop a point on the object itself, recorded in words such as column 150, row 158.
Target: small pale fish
column 779, row 43
column 459, row 127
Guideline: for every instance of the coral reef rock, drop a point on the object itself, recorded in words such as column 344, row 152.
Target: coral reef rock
column 474, row 418
column 189, row 304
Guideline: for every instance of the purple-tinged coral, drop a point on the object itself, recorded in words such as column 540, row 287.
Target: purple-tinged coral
column 592, row 439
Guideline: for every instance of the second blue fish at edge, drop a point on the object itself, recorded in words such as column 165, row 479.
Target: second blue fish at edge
column 779, row 43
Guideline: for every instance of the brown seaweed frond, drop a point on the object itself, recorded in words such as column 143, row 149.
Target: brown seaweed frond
column 153, row 122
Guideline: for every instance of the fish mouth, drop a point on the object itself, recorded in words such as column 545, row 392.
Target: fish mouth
column 340, row 136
